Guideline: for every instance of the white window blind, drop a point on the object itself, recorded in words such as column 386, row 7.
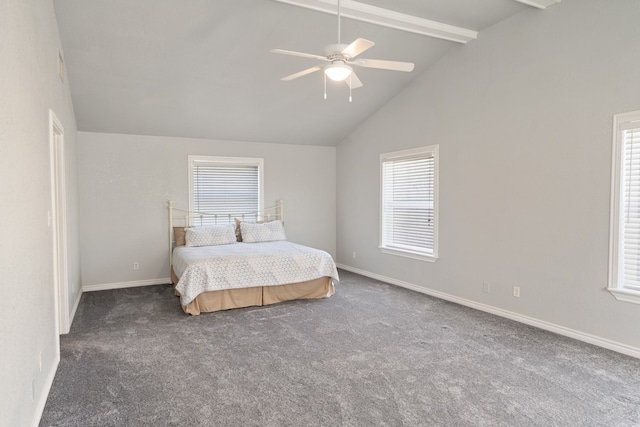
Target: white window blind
column 225, row 185
column 624, row 267
column 408, row 202
column 631, row 208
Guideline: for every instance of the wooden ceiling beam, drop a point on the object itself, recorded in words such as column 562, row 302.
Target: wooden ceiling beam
column 389, row 18
column 540, row 4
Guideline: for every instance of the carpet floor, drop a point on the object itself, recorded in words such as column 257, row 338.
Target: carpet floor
column 373, row 354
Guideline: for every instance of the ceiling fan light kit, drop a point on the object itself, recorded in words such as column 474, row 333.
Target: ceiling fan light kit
column 338, row 71
column 341, row 57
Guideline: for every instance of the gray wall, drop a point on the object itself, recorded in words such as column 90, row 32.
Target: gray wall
column 126, row 180
column 29, row 87
column 523, row 117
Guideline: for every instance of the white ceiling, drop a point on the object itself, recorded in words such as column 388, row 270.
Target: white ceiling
column 202, row 68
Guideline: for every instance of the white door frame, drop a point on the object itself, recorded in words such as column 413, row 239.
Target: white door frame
column 59, row 222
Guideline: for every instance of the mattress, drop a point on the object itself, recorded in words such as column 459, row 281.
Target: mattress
column 207, row 269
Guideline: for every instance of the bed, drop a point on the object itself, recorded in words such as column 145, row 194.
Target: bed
column 214, row 267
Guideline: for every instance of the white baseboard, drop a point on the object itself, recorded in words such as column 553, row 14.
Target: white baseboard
column 561, row 330
column 121, row 285
column 75, row 307
column 46, row 389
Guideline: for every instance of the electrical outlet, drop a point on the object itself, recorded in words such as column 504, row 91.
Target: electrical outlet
column 485, row 287
column 354, row 254
column 136, row 266
column 516, row 291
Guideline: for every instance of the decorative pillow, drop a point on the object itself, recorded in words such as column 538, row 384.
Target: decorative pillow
column 178, row 235
column 210, row 235
column 266, row 232
column 238, row 229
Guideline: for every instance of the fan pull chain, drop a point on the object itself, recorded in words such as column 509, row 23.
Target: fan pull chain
column 350, row 84
column 325, row 86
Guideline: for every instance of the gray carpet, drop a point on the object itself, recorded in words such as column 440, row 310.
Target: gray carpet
column 373, row 354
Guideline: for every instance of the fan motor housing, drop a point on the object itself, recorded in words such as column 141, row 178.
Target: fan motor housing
column 333, row 51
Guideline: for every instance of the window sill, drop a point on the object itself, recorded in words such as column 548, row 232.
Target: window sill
column 625, row 295
column 408, row 254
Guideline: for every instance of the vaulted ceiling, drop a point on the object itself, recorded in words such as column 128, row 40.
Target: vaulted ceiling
column 202, row 68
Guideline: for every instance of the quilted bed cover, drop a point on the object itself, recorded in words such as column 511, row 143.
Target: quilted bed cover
column 242, row 265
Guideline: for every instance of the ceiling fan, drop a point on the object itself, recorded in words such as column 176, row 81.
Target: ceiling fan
column 341, row 57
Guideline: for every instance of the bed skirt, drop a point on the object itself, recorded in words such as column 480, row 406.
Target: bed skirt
column 227, row 299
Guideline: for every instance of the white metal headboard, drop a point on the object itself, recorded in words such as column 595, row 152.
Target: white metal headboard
column 188, row 218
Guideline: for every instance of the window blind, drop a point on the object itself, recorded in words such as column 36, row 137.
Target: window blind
column 631, row 208
column 225, row 188
column 408, row 203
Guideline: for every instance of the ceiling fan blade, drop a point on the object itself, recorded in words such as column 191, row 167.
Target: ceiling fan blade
column 384, row 65
column 300, row 74
column 300, row 54
column 356, row 48
column 353, row 81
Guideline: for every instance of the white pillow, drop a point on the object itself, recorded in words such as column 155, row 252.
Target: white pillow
column 267, row 232
column 210, row 235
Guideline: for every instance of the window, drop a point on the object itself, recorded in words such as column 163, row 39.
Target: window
column 409, row 203
column 624, row 251
column 223, row 185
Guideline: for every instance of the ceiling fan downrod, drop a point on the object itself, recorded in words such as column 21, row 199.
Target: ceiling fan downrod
column 339, row 15
column 338, row 57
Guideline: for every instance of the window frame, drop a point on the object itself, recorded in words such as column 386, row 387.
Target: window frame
column 218, row 160
column 433, row 151
column 615, row 285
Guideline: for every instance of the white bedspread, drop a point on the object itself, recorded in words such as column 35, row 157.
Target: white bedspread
column 242, row 265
